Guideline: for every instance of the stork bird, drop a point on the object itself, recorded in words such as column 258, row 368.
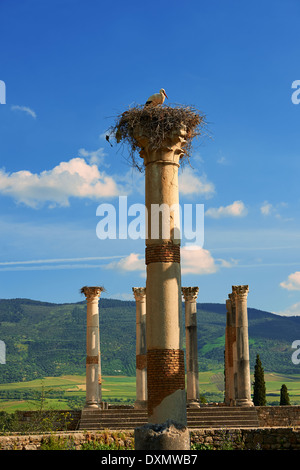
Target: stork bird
column 157, row 98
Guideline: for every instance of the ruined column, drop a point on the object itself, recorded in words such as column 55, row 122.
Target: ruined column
column 243, row 397
column 230, row 353
column 162, row 136
column 165, row 356
column 93, row 366
column 190, row 295
column 141, row 350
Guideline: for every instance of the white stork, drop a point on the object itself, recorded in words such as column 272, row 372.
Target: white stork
column 157, row 98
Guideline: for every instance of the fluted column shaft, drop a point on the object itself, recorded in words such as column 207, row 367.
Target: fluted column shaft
column 192, row 386
column 230, row 353
column 141, row 349
column 243, row 398
column 93, row 363
column 165, row 357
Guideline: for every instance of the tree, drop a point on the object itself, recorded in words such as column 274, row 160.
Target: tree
column 284, row 396
column 259, row 390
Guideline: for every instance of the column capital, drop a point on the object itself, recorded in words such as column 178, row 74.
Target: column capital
column 139, row 293
column 170, row 150
column 190, row 293
column 92, row 293
column 240, row 291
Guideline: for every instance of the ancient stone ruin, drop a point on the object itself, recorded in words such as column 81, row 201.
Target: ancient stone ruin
column 162, row 137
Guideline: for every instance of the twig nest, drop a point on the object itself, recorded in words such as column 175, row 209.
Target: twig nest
column 156, row 126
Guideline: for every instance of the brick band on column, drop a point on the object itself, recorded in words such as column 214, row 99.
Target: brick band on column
column 163, row 253
column 141, row 361
column 231, row 340
column 165, row 373
column 92, row 360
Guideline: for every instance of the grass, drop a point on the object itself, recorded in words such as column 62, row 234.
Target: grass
column 274, row 382
column 122, row 388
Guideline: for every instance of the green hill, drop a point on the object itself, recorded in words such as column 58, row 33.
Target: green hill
column 44, row 339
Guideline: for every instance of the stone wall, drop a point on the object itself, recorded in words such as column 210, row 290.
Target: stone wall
column 211, row 439
column 247, row 439
column 278, row 415
column 268, row 416
column 67, row 440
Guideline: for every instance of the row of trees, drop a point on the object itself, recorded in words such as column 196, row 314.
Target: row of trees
column 259, row 387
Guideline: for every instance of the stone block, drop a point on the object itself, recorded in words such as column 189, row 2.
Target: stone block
column 165, row 436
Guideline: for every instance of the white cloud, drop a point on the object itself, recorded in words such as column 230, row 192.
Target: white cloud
column 121, row 296
column 292, row 282
column 94, row 156
column 228, row 264
column 25, row 109
column 190, row 184
column 222, row 161
column 194, row 260
column 293, row 310
column 75, row 178
column 236, row 209
column 197, row 260
column 266, row 208
column 132, row 262
column 57, row 260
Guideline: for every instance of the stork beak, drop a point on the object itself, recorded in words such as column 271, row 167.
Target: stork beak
column 166, row 94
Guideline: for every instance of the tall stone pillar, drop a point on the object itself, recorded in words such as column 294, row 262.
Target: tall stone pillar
column 93, row 366
column 165, row 357
column 240, row 294
column 190, row 295
column 141, row 349
column 230, row 353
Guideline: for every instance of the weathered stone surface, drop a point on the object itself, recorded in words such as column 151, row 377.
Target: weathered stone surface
column 269, row 438
column 166, row 436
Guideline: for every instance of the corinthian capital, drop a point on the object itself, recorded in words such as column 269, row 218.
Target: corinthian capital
column 92, row 293
column 190, row 293
column 170, row 150
column 240, row 291
column 139, row 293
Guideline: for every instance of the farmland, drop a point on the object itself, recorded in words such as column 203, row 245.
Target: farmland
column 68, row 392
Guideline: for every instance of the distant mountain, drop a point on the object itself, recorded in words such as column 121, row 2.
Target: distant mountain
column 44, row 339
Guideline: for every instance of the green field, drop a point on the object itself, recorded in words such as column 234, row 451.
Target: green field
column 56, row 392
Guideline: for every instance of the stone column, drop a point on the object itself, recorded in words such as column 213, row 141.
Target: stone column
column 190, row 295
column 243, row 398
column 141, row 350
column 230, row 354
column 165, row 357
column 93, row 370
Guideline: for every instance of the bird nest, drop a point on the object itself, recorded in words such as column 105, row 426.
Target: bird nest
column 156, row 122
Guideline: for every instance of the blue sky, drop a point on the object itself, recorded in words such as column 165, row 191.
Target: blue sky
column 71, row 66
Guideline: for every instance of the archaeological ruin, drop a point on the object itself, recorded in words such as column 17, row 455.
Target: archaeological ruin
column 167, row 402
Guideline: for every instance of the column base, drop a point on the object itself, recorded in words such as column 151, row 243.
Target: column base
column 91, row 406
column 166, row 436
column 193, row 404
column 244, row 402
column 140, row 405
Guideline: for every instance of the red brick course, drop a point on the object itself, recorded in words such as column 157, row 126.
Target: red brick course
column 165, row 374
column 166, row 252
column 92, row 360
column 141, row 361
